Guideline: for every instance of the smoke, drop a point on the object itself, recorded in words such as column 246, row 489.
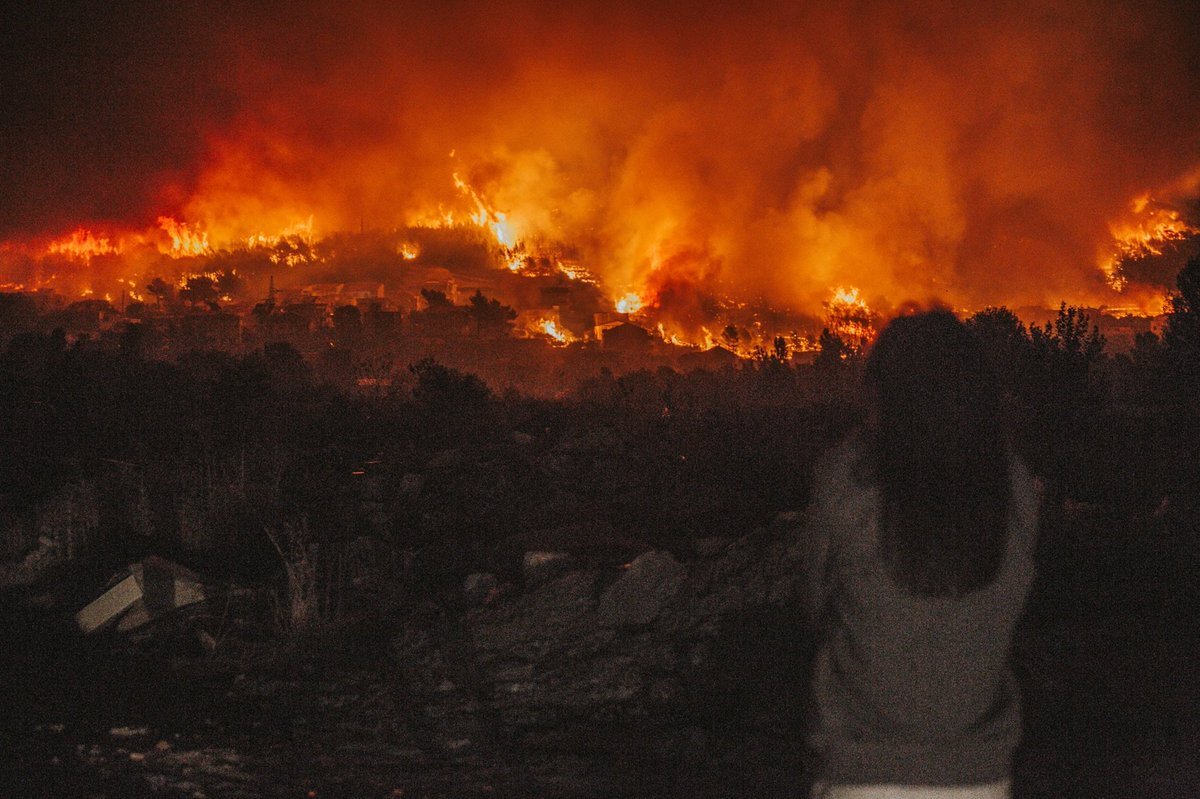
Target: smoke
column 764, row 153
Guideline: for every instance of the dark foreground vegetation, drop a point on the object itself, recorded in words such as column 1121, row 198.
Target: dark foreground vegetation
column 352, row 519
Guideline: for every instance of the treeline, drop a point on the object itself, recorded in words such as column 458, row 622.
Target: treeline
column 228, row 455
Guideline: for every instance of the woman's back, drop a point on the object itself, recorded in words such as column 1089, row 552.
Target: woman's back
column 912, row 689
column 921, row 533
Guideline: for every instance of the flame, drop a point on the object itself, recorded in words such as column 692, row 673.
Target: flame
column 629, row 303
column 185, row 239
column 301, row 230
column 849, row 317
column 1149, row 230
column 551, row 328
column 515, row 261
column 83, row 244
column 573, row 271
column 409, row 251
column 486, row 216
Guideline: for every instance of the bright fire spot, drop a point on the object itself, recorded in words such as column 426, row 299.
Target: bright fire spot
column 670, row 338
column 514, row 262
column 187, row 277
column 573, row 271
column 1148, row 231
column 302, row 230
column 849, row 317
column 487, row 216
column 550, row 328
column 83, row 244
column 409, row 252
column 185, row 239
column 129, row 288
column 630, row 303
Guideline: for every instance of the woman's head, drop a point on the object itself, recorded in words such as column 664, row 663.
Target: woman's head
column 939, row 455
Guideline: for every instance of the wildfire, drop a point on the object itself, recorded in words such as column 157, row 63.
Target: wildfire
column 486, row 216
column 1150, row 230
column 302, row 230
column 83, row 244
column 630, row 303
column 551, row 328
column 185, row 239
column 573, row 271
column 409, row 252
column 849, row 317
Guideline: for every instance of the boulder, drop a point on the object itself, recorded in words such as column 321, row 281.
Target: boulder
column 540, row 567
column 639, row 595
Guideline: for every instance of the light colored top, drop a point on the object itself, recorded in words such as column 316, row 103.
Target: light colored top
column 909, row 690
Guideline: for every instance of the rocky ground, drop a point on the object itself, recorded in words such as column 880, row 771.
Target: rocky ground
column 675, row 675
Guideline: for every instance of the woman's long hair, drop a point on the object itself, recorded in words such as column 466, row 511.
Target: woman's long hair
column 939, row 456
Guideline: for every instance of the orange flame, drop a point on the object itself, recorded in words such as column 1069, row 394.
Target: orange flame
column 83, row 244
column 629, row 303
column 550, row 328
column 1148, row 231
column 185, row 239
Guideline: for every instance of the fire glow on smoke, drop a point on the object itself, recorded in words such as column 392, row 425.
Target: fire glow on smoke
column 692, row 160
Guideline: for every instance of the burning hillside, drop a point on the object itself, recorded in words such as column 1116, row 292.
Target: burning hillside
column 723, row 175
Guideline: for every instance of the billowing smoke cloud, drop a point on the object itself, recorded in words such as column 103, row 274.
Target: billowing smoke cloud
column 687, row 150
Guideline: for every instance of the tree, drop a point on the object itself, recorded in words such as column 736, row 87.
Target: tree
column 491, row 318
column 1069, row 338
column 1181, row 336
column 834, row 352
column 161, row 289
column 199, row 289
column 1005, row 343
column 435, row 299
column 447, row 391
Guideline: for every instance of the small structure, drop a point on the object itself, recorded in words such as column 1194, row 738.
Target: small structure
column 140, row 593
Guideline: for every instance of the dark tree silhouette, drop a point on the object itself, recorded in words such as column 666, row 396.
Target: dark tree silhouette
column 834, row 352
column 491, row 318
column 1181, row 337
column 161, row 289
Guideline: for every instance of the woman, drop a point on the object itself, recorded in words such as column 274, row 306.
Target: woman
column 921, row 533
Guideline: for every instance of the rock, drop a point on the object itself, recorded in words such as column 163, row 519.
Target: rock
column 541, row 567
column 639, row 595
column 478, row 588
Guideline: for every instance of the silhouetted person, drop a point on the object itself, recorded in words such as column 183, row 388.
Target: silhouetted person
column 921, row 534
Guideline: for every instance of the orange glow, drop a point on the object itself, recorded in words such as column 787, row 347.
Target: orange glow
column 83, row 244
column 629, row 303
column 1148, row 230
column 551, row 328
column 185, row 239
column 692, row 165
column 486, row 216
column 849, row 317
column 302, row 231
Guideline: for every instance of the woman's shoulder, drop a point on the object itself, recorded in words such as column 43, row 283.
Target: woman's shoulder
column 846, row 460
column 841, row 477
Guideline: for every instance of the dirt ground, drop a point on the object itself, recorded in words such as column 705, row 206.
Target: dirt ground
column 1110, row 661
